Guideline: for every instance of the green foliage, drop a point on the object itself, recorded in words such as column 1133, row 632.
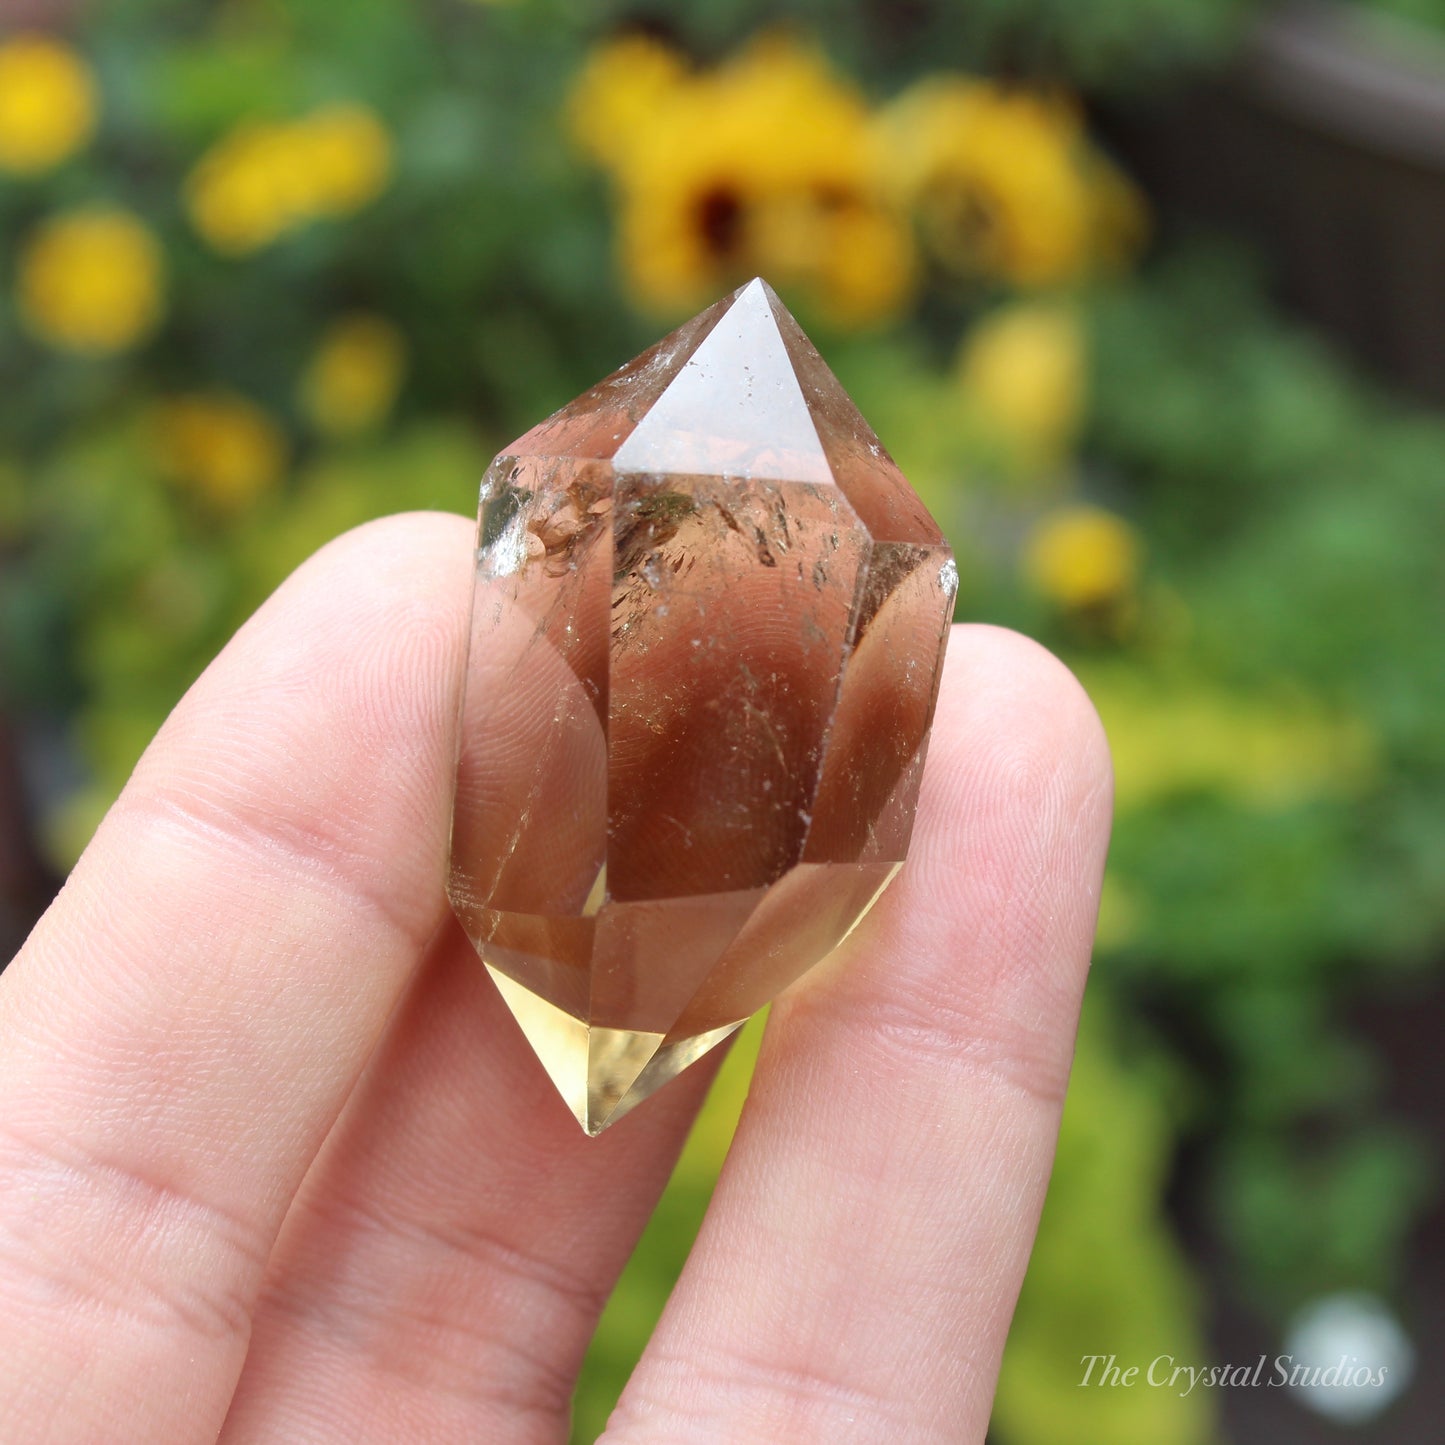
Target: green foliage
column 1293, row 512
column 1426, row 14
column 1106, row 1276
column 1312, row 1217
column 1116, row 44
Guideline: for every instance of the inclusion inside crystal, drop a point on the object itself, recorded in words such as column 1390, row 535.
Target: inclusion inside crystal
column 707, row 631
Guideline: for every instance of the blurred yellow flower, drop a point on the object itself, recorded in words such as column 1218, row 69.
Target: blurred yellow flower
column 248, row 188
column 352, row 380
column 266, row 178
column 348, row 158
column 219, row 446
column 91, row 281
column 47, row 103
column 1023, row 367
column 764, row 164
column 1081, row 557
column 617, row 92
column 1004, row 182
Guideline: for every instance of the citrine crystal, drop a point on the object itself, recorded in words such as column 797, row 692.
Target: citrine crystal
column 707, row 632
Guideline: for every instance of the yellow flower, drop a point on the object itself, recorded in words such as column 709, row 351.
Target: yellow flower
column 1023, row 367
column 1081, row 557
column 266, row 178
column 220, row 446
column 91, row 281
column 765, row 164
column 247, row 189
column 347, row 158
column 866, row 267
column 1003, row 181
column 352, row 381
column 617, row 92
column 47, row 103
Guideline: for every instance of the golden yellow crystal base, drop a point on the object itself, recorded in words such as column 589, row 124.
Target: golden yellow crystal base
column 601, row 1073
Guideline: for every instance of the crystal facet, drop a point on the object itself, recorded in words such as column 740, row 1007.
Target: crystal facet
column 707, row 632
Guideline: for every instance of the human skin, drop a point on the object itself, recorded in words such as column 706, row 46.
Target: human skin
column 277, row 1165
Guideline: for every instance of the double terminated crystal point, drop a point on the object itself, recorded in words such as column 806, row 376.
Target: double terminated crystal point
column 706, row 638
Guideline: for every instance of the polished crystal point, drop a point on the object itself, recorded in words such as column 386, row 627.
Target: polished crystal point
column 706, row 638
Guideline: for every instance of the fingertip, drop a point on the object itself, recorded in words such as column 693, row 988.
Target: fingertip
column 1010, row 691
column 407, row 565
column 1017, row 756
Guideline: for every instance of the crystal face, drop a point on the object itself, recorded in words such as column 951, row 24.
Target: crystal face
column 706, row 638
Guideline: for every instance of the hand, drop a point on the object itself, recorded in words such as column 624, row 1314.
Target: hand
column 276, row 1165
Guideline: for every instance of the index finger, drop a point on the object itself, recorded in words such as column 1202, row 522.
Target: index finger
column 183, row 1026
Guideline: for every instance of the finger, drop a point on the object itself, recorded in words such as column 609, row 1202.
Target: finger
column 183, row 1026
column 861, row 1258
column 444, row 1266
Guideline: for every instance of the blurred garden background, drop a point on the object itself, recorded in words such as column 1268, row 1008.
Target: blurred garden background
column 1148, row 299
